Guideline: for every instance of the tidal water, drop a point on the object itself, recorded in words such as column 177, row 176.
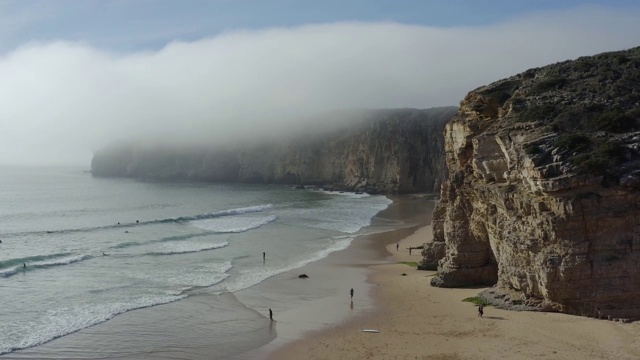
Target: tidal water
column 78, row 251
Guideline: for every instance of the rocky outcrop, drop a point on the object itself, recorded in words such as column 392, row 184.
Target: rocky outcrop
column 543, row 193
column 385, row 151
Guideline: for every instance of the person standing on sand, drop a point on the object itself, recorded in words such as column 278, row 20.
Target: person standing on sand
column 270, row 315
column 480, row 310
column 397, row 246
column 351, row 292
column 410, row 248
column 264, row 256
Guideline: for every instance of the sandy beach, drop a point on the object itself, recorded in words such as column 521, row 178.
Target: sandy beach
column 315, row 318
column 417, row 321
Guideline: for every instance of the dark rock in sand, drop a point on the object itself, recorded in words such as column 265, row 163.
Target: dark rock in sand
column 303, row 276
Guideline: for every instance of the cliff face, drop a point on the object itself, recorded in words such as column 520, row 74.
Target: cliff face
column 543, row 193
column 390, row 151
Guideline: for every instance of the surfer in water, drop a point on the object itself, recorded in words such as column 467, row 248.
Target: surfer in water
column 24, row 265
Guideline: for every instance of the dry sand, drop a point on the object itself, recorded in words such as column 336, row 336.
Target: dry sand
column 417, row 321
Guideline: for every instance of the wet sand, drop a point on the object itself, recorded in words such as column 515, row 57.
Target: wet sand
column 417, row 321
column 323, row 301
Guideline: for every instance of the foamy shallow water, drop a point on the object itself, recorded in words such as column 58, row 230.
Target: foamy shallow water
column 96, row 248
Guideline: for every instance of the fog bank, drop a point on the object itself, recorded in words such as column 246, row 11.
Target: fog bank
column 61, row 100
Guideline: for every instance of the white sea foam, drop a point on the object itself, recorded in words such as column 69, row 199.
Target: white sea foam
column 43, row 264
column 345, row 193
column 237, row 211
column 49, row 309
column 347, row 215
column 249, row 277
column 64, row 320
column 8, row 272
column 234, row 224
column 185, row 279
column 58, row 262
column 58, row 322
column 185, row 247
column 204, row 277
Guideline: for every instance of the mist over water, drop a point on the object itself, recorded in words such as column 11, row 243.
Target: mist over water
column 63, row 100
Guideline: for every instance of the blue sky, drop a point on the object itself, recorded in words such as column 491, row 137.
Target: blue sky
column 135, row 24
column 77, row 75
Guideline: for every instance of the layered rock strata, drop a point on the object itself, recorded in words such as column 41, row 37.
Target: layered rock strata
column 384, row 151
column 543, row 190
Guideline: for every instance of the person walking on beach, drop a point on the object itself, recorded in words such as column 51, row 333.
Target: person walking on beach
column 351, row 292
column 480, row 310
column 264, row 256
column 397, row 246
column 410, row 248
column 270, row 315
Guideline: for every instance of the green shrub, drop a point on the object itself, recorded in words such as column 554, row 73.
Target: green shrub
column 532, row 150
column 553, row 83
column 476, row 300
column 529, row 74
column 543, row 112
column 502, row 91
column 621, row 59
column 614, row 121
column 575, row 142
column 601, row 160
column 501, row 96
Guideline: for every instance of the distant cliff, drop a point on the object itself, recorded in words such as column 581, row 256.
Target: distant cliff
column 543, row 192
column 384, row 151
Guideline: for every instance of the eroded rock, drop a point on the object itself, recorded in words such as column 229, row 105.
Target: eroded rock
column 542, row 197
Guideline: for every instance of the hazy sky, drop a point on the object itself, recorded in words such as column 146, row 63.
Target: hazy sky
column 75, row 75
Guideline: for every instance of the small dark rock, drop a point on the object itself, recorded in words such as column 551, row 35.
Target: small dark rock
column 303, row 276
column 404, row 274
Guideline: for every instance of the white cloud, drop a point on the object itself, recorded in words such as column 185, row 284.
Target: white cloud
column 60, row 100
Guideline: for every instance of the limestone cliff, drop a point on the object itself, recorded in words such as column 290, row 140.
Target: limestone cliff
column 543, row 192
column 390, row 151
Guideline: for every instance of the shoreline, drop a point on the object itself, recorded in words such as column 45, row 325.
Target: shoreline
column 239, row 322
column 417, row 321
column 336, row 275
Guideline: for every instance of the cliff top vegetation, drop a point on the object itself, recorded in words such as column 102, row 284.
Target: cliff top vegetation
column 586, row 111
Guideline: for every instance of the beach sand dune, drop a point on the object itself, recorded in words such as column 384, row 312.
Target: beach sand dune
column 417, row 321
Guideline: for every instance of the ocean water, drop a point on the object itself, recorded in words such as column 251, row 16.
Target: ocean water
column 77, row 251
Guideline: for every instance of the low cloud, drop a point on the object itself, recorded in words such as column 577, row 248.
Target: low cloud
column 61, row 101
